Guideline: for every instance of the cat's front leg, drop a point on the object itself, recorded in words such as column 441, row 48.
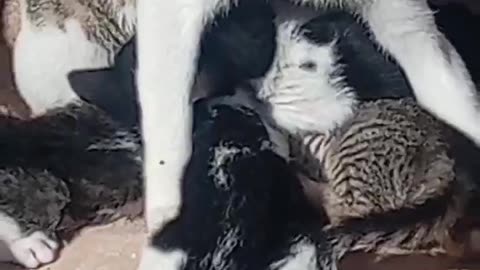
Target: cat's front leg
column 440, row 81
column 168, row 35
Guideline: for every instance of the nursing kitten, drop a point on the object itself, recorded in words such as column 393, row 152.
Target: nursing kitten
column 390, row 155
column 385, row 159
column 67, row 169
column 80, row 164
column 291, row 242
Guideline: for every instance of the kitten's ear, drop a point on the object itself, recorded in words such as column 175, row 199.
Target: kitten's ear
column 91, row 85
column 324, row 28
column 108, row 90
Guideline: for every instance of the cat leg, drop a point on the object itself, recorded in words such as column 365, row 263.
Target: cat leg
column 43, row 57
column 30, row 251
column 168, row 41
column 439, row 78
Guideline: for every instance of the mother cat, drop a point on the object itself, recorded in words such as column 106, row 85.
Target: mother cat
column 169, row 34
column 183, row 249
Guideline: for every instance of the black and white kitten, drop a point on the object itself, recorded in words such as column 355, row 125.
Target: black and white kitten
column 81, row 164
column 404, row 28
column 238, row 212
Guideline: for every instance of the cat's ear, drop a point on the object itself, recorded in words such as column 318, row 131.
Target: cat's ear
column 324, row 29
column 109, row 90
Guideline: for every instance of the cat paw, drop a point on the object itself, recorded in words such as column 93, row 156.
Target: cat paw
column 155, row 259
column 34, row 250
column 158, row 217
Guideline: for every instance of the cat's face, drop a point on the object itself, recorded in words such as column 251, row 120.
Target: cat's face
column 304, row 88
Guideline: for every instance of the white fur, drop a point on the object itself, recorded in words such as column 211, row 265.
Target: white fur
column 168, row 44
column 153, row 258
column 43, row 56
column 303, row 100
column 303, row 257
column 166, row 70
column 30, row 251
column 441, row 83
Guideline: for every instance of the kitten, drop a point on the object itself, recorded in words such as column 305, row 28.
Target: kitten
column 261, row 238
column 251, row 218
column 31, row 205
column 69, row 168
column 383, row 159
column 404, row 28
column 94, row 151
column 390, row 155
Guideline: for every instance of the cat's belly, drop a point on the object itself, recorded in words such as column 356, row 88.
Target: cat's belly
column 43, row 58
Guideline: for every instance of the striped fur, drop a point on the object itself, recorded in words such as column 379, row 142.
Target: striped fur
column 391, row 157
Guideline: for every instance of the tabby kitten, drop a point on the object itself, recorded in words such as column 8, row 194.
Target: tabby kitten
column 389, row 156
column 383, row 165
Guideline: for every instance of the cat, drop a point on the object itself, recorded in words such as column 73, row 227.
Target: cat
column 301, row 242
column 94, row 151
column 71, row 31
column 234, row 49
column 453, row 16
column 249, row 218
column 62, row 35
column 67, row 169
column 88, row 35
column 382, row 159
column 390, row 155
column 404, row 28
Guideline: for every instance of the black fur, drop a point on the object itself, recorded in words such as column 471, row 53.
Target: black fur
column 259, row 213
column 79, row 148
column 238, row 46
column 460, row 26
column 34, row 198
column 372, row 74
column 261, row 197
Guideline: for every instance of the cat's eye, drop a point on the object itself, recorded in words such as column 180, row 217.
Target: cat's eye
column 309, row 66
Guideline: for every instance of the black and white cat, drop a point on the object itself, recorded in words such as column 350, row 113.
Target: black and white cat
column 80, row 164
column 237, row 211
column 65, row 35
column 169, row 34
column 112, row 90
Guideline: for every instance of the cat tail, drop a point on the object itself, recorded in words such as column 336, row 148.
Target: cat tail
column 422, row 230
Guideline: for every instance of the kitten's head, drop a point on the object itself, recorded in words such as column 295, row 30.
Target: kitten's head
column 304, row 87
column 320, row 70
column 111, row 89
column 368, row 70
